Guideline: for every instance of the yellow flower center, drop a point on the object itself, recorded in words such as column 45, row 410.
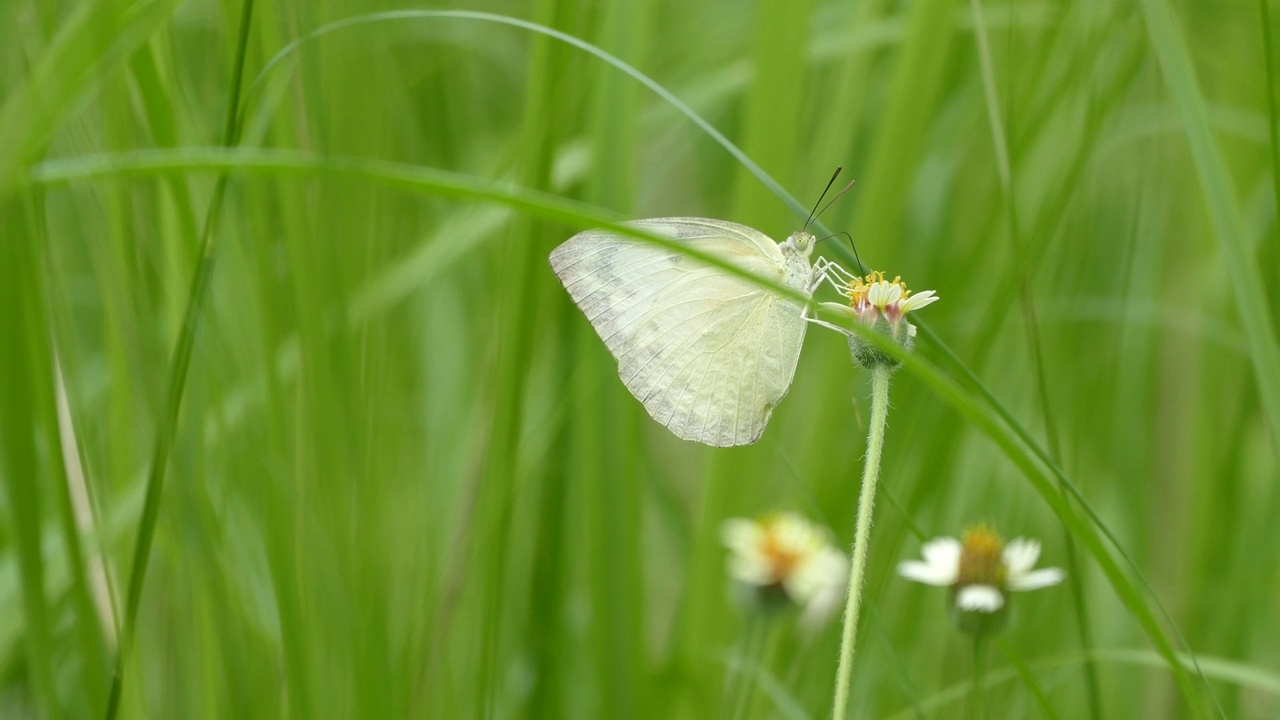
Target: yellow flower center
column 782, row 557
column 981, row 558
column 858, row 287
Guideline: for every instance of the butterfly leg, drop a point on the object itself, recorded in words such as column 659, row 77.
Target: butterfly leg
column 807, row 316
column 827, row 325
column 831, row 272
column 820, row 270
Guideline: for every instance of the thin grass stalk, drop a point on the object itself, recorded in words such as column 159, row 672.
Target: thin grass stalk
column 166, row 429
column 866, row 503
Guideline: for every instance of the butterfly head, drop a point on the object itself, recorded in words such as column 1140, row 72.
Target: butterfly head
column 800, row 242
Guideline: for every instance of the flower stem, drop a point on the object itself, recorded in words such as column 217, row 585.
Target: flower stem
column 866, row 501
column 735, row 679
column 975, row 695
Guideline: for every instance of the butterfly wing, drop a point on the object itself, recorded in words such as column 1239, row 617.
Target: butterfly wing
column 709, row 354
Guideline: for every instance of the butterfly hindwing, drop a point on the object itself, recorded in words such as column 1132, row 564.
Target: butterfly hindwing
column 708, row 353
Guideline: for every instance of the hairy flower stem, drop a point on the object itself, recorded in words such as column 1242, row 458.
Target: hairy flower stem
column 866, row 502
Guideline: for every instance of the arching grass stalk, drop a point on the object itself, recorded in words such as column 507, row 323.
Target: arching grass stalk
column 862, row 534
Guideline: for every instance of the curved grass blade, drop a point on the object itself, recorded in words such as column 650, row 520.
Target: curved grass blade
column 439, row 183
column 610, row 59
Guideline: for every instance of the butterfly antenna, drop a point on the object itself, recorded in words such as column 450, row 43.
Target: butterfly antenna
column 846, row 189
column 814, row 212
column 861, row 268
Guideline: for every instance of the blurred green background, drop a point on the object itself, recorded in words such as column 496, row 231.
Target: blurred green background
column 405, row 480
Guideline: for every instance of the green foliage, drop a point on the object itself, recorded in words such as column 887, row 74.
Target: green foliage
column 404, row 479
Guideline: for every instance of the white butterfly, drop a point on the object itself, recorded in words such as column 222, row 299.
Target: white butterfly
column 707, row 352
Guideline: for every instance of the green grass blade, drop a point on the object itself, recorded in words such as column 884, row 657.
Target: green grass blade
column 167, row 428
column 98, row 36
column 1224, row 208
column 26, row 418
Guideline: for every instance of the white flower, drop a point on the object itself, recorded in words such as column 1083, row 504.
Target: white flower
column 874, row 297
column 877, row 303
column 979, row 569
column 785, row 553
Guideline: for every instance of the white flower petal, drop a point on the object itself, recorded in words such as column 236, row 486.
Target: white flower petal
column 752, row 570
column 803, row 582
column 747, row 563
column 1020, row 555
column 831, row 565
column 741, row 535
column 825, row 577
column 919, row 300
column 793, row 531
column 784, row 548
column 839, row 307
column 943, row 551
column 980, row 598
column 926, row 573
column 884, row 293
column 1036, row 579
column 821, row 607
column 941, row 565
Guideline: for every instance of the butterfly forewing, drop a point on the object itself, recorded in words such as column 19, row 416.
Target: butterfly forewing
column 708, row 353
